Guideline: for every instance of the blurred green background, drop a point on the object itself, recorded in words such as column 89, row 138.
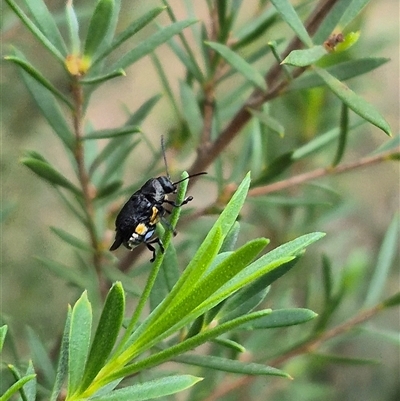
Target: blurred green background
column 32, row 296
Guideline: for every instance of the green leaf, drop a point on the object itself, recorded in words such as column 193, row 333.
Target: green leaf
column 73, row 29
column 98, row 27
column 62, row 366
column 353, row 101
column 47, row 172
column 344, row 130
column 151, row 43
column 281, row 318
column 306, row 57
column 3, row 333
column 190, row 109
column 29, row 391
column 289, row 15
column 133, row 28
column 387, row 255
column 338, row 359
column 108, row 189
column 341, row 71
column 65, row 272
column 36, row 31
column 103, row 78
column 152, row 389
column 35, row 74
column 17, row 386
column 239, row 64
column 274, row 169
column 269, row 121
column 392, row 301
column 71, row 239
column 230, row 365
column 46, row 23
column 106, row 333
column 353, row 9
column 79, row 340
column 49, row 107
column 113, row 132
column 41, row 357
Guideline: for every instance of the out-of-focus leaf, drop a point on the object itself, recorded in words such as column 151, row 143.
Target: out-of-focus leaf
column 108, row 189
column 112, row 133
column 44, row 20
column 320, row 142
column 152, row 389
column 289, row 15
column 190, row 109
column 230, row 365
column 281, row 318
column 341, row 71
column 344, row 130
column 29, row 391
column 392, row 301
column 35, row 74
column 306, row 57
column 79, row 340
column 342, row 359
column 65, row 272
column 353, row 101
column 49, row 107
column 106, row 333
column 133, row 28
column 3, row 333
column 353, row 9
column 239, row 64
column 47, row 172
column 98, row 27
column 36, row 31
column 71, row 239
column 391, row 144
column 151, row 43
column 274, row 169
column 62, row 366
column 103, row 78
column 250, row 32
column 269, row 121
column 41, row 357
column 387, row 254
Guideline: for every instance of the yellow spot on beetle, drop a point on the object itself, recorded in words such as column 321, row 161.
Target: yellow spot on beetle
column 154, row 219
column 141, row 229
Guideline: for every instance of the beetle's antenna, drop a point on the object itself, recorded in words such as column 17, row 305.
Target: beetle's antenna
column 165, row 158
column 190, row 176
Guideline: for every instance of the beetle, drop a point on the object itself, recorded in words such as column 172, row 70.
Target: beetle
column 136, row 222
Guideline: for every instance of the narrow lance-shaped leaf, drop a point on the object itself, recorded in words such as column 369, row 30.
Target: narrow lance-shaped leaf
column 103, row 78
column 353, row 101
column 151, row 43
column 230, row 365
column 45, row 21
column 62, row 366
column 341, row 71
column 17, row 386
column 306, row 57
column 152, row 389
column 239, row 64
column 344, row 130
column 79, row 340
column 3, row 333
column 112, row 133
column 289, row 15
column 73, row 29
column 36, row 31
column 133, row 28
column 98, row 27
column 35, row 74
column 44, row 170
column 106, row 333
column 71, row 239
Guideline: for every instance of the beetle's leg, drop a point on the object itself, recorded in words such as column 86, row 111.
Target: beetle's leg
column 185, row 201
column 152, row 249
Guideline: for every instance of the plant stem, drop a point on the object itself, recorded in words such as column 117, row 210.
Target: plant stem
column 77, row 93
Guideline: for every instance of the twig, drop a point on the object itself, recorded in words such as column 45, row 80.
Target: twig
column 208, row 152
